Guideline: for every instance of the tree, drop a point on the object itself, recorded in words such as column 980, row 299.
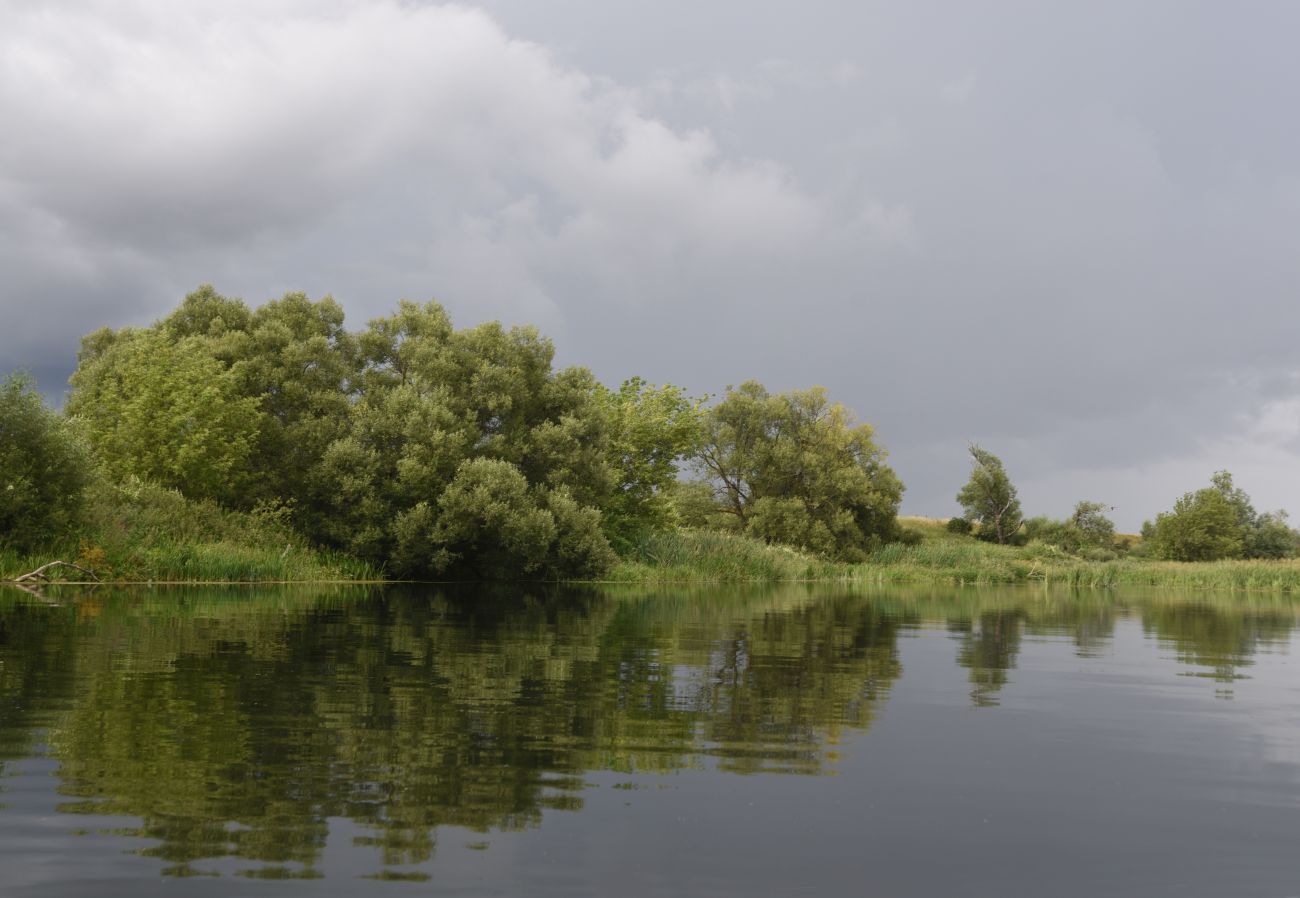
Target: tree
column 1094, row 528
column 1272, row 537
column 444, row 419
column 44, row 468
column 165, row 411
column 989, row 496
column 1220, row 521
column 794, row 468
column 650, row 429
column 1203, row 526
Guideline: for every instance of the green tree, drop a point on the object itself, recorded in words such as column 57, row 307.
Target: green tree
column 44, row 468
column 1203, row 526
column 1095, row 529
column 1272, row 537
column 1220, row 522
column 293, row 356
column 165, row 411
column 650, row 429
column 444, row 418
column 989, row 496
column 794, row 468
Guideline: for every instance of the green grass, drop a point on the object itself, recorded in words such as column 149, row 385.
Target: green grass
column 144, row 533
column 719, row 558
column 941, row 558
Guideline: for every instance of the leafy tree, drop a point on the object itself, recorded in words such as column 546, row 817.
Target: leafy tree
column 44, row 468
column 299, row 361
column 989, row 496
column 794, row 468
column 1203, row 526
column 165, row 411
column 447, row 418
column 1272, row 537
column 650, row 429
column 1094, row 528
column 295, row 357
column 1220, row 522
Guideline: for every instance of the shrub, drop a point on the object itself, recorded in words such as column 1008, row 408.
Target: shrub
column 958, row 525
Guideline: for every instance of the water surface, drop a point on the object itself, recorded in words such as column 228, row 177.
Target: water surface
column 770, row 741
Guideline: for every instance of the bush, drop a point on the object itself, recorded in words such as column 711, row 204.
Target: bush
column 44, row 469
column 958, row 525
column 490, row 524
column 908, row 537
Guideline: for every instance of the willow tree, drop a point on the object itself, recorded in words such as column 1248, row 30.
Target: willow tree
column 795, row 468
column 989, row 497
column 165, row 411
column 466, row 452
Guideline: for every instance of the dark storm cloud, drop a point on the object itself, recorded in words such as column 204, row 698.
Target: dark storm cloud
column 1068, row 232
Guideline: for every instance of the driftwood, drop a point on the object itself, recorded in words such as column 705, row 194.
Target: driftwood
column 40, row 576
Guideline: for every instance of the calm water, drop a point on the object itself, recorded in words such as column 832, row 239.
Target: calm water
column 766, row 742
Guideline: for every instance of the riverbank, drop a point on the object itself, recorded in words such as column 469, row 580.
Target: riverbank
column 940, row 559
column 147, row 534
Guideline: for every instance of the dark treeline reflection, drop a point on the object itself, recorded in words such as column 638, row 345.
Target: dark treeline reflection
column 236, row 724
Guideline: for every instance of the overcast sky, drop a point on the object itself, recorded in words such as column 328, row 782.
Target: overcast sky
column 1069, row 232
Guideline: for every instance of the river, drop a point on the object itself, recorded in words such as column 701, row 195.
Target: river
column 779, row 740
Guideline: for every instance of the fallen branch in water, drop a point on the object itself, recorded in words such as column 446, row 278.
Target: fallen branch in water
column 39, row 575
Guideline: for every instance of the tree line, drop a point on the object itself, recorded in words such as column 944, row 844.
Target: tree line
column 432, row 451
column 1209, row 524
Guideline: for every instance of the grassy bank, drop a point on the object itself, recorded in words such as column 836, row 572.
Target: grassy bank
column 144, row 533
column 940, row 558
column 719, row 558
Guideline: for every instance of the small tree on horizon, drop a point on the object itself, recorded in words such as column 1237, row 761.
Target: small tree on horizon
column 989, row 496
column 1095, row 529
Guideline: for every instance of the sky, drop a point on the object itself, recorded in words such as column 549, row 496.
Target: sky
column 1067, row 232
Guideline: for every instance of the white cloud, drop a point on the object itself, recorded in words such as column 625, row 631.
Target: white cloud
column 225, row 129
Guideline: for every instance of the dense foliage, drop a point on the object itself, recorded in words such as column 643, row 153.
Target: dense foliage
column 1219, row 521
column 413, row 445
column 793, row 468
column 420, row 450
column 44, row 468
column 432, row 451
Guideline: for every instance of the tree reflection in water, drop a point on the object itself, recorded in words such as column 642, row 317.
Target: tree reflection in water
column 236, row 724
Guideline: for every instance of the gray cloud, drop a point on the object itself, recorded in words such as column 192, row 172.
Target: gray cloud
column 1069, row 233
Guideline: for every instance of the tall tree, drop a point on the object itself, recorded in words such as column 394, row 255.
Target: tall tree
column 650, row 429
column 165, row 411
column 989, row 496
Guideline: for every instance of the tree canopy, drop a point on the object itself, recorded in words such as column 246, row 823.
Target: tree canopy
column 1219, row 521
column 796, row 469
column 380, row 442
